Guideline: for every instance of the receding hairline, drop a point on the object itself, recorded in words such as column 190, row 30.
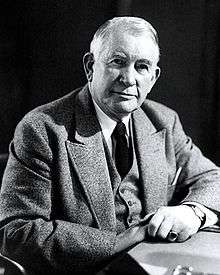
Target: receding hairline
column 135, row 26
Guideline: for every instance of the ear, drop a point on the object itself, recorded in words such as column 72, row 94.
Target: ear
column 156, row 74
column 88, row 61
column 154, row 78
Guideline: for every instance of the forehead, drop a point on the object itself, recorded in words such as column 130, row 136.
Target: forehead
column 131, row 46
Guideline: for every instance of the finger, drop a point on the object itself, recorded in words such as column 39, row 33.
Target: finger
column 183, row 235
column 165, row 227
column 172, row 236
column 179, row 232
column 176, row 229
column 154, row 224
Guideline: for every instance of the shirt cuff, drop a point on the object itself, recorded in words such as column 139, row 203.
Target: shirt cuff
column 211, row 217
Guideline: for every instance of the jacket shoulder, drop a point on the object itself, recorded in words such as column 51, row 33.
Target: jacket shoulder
column 56, row 116
column 56, row 111
column 159, row 113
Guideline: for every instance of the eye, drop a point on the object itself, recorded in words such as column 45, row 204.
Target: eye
column 118, row 61
column 142, row 67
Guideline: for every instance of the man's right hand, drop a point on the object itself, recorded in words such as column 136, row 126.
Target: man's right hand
column 130, row 237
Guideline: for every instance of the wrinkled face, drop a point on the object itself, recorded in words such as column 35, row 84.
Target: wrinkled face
column 123, row 74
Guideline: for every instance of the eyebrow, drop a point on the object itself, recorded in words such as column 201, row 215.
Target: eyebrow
column 147, row 61
column 124, row 55
column 119, row 54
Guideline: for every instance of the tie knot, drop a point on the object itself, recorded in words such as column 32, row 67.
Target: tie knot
column 120, row 129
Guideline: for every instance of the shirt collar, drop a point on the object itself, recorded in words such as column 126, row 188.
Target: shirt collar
column 107, row 124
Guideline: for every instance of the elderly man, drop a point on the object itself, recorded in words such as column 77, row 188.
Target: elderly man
column 103, row 168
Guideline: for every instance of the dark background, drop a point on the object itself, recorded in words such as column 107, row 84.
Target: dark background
column 42, row 44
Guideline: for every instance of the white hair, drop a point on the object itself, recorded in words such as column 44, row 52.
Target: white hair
column 133, row 25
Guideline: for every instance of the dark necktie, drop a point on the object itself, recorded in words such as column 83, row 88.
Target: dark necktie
column 123, row 157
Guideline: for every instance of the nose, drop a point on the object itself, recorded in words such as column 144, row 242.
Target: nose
column 128, row 76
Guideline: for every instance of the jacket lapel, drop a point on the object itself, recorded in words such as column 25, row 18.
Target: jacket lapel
column 150, row 150
column 88, row 158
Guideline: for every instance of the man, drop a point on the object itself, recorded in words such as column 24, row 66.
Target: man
column 103, row 168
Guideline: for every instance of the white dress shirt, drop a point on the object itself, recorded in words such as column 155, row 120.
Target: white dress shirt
column 108, row 125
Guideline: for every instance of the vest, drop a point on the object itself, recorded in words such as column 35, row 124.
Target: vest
column 127, row 193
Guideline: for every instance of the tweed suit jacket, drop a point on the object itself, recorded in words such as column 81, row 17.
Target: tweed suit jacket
column 57, row 211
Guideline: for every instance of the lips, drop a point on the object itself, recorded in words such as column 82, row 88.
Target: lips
column 126, row 94
column 123, row 94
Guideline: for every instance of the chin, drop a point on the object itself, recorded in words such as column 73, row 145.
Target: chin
column 128, row 107
column 125, row 112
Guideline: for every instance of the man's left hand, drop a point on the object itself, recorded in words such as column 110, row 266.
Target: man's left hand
column 169, row 220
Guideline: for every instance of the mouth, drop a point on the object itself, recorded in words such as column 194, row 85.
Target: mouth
column 126, row 95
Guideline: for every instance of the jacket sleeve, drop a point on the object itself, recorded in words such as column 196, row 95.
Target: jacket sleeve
column 198, row 174
column 28, row 233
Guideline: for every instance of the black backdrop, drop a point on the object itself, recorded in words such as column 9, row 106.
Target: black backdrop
column 42, row 44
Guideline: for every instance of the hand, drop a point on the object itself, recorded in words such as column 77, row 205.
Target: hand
column 130, row 237
column 180, row 219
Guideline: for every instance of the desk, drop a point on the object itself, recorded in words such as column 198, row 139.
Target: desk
column 201, row 251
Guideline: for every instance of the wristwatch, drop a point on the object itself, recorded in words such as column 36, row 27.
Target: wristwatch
column 199, row 213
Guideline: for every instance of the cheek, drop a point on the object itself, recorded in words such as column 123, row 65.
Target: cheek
column 144, row 83
column 144, row 87
column 111, row 74
column 107, row 80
